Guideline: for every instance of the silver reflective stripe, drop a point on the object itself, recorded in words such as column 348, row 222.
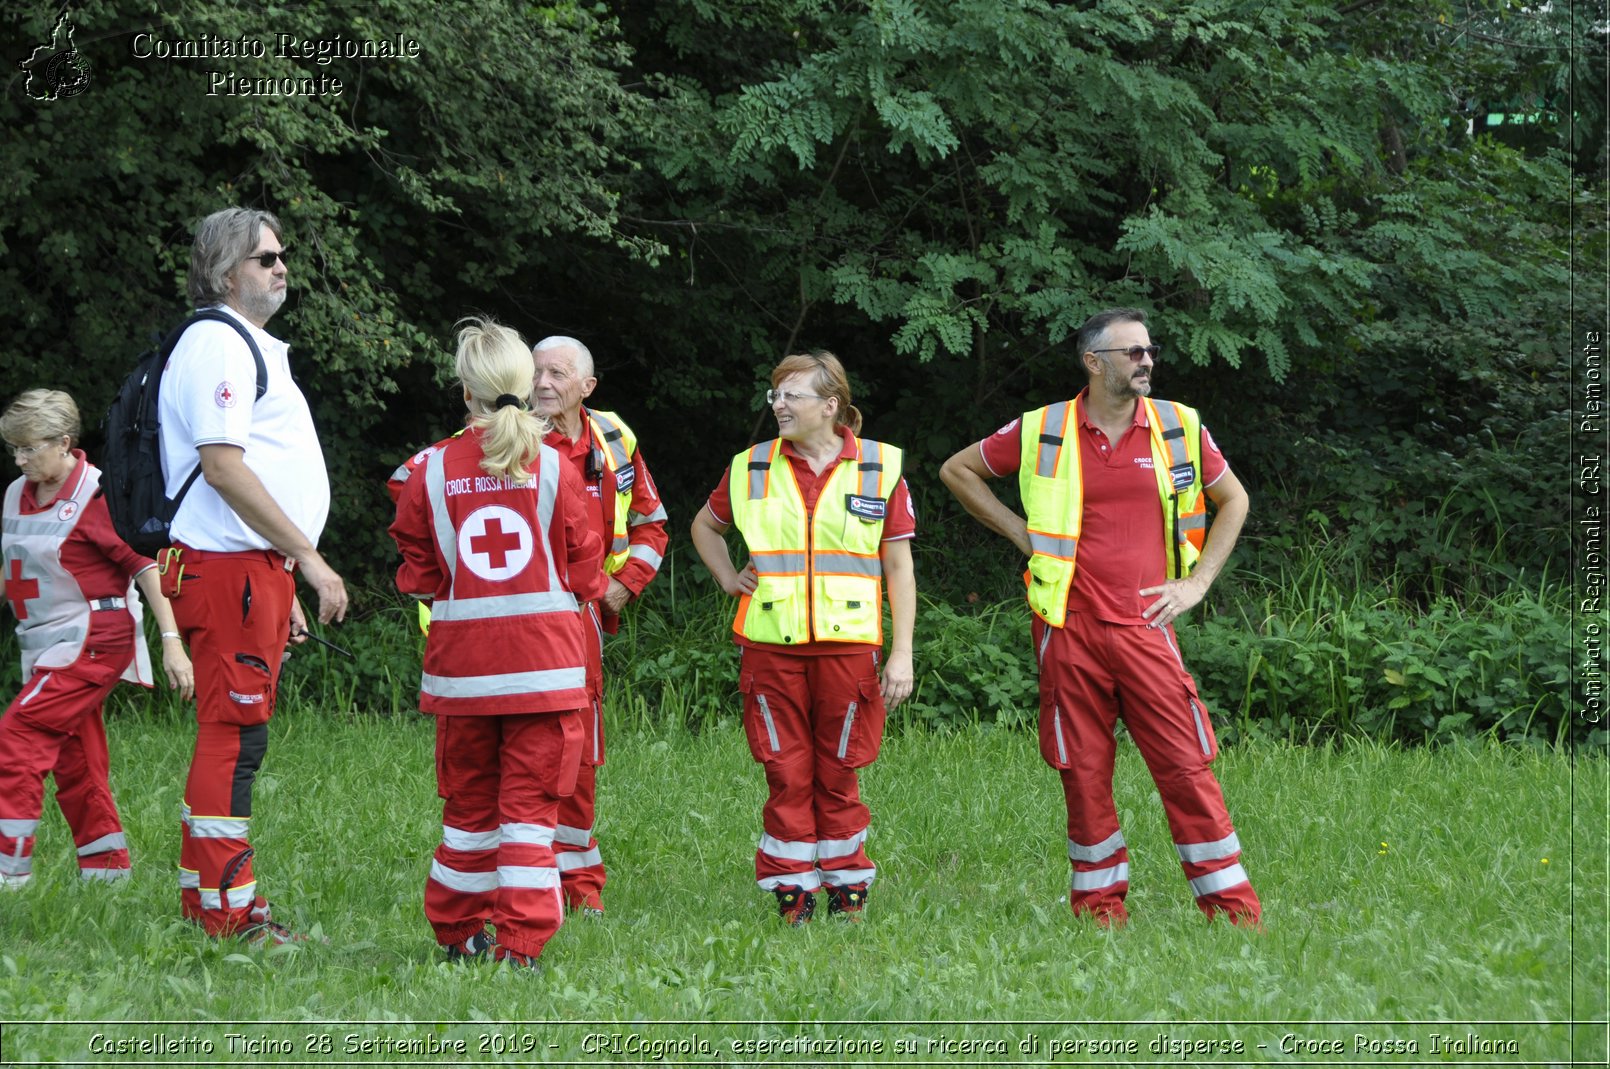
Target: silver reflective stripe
column 436, row 491
column 844, row 736
column 1053, row 425
column 845, row 877
column 1193, row 523
column 805, row 881
column 15, row 864
column 239, row 897
column 189, row 880
column 612, row 439
column 1228, row 846
column 827, row 849
column 788, row 850
column 37, row 688
column 538, row 877
column 598, row 735
column 219, row 827
column 1097, row 852
column 647, row 555
column 1223, row 880
column 459, row 839
column 778, row 563
column 528, row 834
column 114, row 841
column 834, row 563
column 757, row 475
column 18, row 829
column 570, row 836
column 637, row 519
column 771, row 728
column 1173, row 432
column 571, row 860
column 1201, row 729
column 15, row 525
column 464, row 882
column 871, row 467
column 502, row 605
column 1062, row 748
column 1045, row 640
column 494, row 686
column 1101, row 878
column 400, row 475
column 1053, row 546
column 547, row 501
column 105, row 875
column 620, row 543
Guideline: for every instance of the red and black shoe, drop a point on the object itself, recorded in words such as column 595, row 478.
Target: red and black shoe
column 261, row 930
column 795, row 905
column 847, row 900
column 475, row 948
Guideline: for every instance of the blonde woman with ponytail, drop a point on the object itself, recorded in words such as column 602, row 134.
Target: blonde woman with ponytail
column 494, row 533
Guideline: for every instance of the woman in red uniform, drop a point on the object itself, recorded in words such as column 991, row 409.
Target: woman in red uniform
column 827, row 520
column 494, row 531
column 68, row 578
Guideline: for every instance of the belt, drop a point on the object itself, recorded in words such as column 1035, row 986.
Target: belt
column 271, row 556
column 107, row 604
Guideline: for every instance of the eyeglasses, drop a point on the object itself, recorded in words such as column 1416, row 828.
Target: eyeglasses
column 27, row 452
column 266, row 260
column 1135, row 351
column 789, row 397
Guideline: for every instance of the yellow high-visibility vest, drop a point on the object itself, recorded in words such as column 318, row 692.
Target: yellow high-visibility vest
column 820, row 577
column 1051, row 483
column 614, row 445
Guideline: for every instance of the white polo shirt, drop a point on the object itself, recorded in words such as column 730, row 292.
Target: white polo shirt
column 206, row 398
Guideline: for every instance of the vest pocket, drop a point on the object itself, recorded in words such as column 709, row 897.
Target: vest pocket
column 1048, row 580
column 850, row 608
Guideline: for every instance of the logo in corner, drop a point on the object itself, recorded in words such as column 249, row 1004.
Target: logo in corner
column 56, row 70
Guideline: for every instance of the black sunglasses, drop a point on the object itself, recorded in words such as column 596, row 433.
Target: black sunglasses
column 266, row 260
column 1135, row 351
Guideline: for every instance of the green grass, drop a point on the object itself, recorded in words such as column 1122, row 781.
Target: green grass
column 1400, row 886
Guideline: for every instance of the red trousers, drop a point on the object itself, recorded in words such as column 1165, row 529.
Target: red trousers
column 234, row 613
column 575, row 844
column 54, row 727
column 811, row 722
column 1091, row 673
column 500, row 779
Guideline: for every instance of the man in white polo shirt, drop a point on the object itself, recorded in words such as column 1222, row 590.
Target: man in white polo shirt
column 255, row 514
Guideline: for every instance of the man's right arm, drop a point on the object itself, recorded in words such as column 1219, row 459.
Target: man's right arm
column 965, row 474
column 224, row 468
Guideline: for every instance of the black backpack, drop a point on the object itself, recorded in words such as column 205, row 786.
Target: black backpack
column 131, row 459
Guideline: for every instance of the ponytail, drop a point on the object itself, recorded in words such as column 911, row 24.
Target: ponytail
column 495, row 367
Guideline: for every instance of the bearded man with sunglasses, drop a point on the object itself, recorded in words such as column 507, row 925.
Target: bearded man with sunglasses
column 1116, row 534
column 254, row 515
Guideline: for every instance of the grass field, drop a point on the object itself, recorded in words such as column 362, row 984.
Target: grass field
column 1409, row 895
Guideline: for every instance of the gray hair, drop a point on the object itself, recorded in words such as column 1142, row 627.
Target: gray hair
column 223, row 240
column 584, row 357
column 41, row 414
column 1094, row 330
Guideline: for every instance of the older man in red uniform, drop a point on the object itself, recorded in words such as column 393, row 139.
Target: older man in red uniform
column 624, row 508
column 1112, row 484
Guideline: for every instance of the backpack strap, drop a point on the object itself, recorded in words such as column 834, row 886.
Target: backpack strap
column 220, row 317
column 167, row 351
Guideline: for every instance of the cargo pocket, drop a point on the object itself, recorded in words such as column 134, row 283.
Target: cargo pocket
column 1056, row 740
column 861, row 734
column 575, row 738
column 1200, row 724
column 759, row 726
column 249, row 685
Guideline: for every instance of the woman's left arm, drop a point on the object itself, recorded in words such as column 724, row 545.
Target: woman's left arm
column 175, row 662
column 900, row 577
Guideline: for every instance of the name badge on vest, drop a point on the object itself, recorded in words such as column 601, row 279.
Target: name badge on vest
column 1183, row 475
column 870, row 509
column 625, row 479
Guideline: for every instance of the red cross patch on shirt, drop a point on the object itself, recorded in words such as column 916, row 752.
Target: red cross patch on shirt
column 224, row 395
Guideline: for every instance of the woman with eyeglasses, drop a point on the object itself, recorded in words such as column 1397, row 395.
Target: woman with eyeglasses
column 70, row 582
column 827, row 521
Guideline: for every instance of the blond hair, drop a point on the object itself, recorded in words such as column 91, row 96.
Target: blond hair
column 493, row 364
column 827, row 379
column 41, row 414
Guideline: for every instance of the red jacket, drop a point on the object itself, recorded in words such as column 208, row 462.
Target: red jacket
column 506, row 566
